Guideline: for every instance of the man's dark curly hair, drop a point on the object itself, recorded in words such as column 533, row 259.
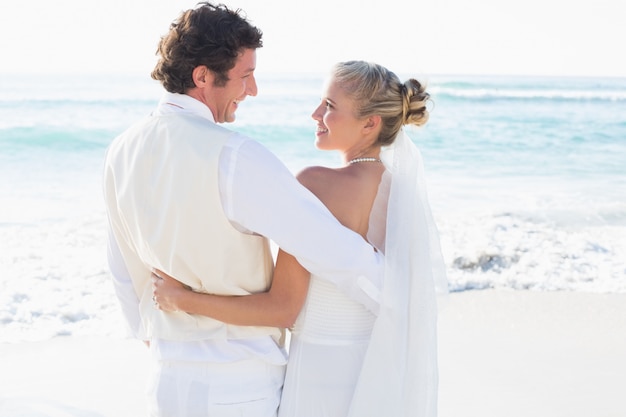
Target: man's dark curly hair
column 210, row 35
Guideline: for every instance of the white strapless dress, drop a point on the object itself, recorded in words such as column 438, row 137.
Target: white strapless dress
column 344, row 362
column 328, row 344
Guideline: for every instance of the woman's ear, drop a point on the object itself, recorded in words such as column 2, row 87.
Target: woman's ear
column 372, row 123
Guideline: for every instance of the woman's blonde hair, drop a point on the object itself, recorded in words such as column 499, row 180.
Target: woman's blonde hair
column 378, row 91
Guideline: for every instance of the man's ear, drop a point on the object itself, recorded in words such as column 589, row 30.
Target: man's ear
column 202, row 76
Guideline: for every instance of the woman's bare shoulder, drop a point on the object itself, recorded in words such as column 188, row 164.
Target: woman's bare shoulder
column 328, row 184
column 346, row 183
column 317, row 175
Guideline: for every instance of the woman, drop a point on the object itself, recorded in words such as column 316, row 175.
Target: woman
column 344, row 359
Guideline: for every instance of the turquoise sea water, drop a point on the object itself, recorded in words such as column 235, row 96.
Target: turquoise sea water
column 527, row 179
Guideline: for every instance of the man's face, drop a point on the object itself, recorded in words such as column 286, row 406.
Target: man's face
column 224, row 101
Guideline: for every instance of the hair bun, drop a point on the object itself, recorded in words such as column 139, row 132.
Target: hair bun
column 414, row 100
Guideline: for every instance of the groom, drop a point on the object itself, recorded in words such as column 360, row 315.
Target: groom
column 187, row 196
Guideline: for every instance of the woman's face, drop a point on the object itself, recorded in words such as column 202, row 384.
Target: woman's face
column 337, row 126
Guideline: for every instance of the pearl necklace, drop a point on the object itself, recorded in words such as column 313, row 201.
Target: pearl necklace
column 357, row 160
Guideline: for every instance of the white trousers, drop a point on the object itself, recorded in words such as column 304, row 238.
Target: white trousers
column 249, row 388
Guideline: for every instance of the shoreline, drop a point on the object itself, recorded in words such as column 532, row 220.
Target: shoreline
column 501, row 353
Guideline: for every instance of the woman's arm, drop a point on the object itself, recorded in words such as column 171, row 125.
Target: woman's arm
column 278, row 307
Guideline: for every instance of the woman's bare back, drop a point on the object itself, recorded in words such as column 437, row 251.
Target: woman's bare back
column 348, row 192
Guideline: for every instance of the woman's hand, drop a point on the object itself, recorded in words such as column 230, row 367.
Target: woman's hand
column 167, row 291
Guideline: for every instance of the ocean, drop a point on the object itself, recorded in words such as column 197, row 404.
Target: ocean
column 526, row 177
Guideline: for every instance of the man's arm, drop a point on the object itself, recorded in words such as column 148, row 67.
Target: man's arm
column 124, row 288
column 261, row 195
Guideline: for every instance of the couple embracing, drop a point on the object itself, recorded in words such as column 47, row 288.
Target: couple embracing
column 191, row 206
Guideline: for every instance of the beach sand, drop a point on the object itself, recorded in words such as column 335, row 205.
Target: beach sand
column 501, row 354
column 533, row 354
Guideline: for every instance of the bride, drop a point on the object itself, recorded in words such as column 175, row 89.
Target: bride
column 345, row 360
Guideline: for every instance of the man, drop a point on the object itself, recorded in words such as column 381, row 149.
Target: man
column 198, row 202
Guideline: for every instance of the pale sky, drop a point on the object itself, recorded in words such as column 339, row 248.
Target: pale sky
column 529, row 37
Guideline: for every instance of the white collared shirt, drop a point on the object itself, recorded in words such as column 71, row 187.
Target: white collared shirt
column 260, row 195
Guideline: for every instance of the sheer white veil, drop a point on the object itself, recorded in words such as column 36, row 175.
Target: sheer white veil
column 399, row 375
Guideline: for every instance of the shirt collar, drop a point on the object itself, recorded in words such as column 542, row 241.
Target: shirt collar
column 182, row 103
